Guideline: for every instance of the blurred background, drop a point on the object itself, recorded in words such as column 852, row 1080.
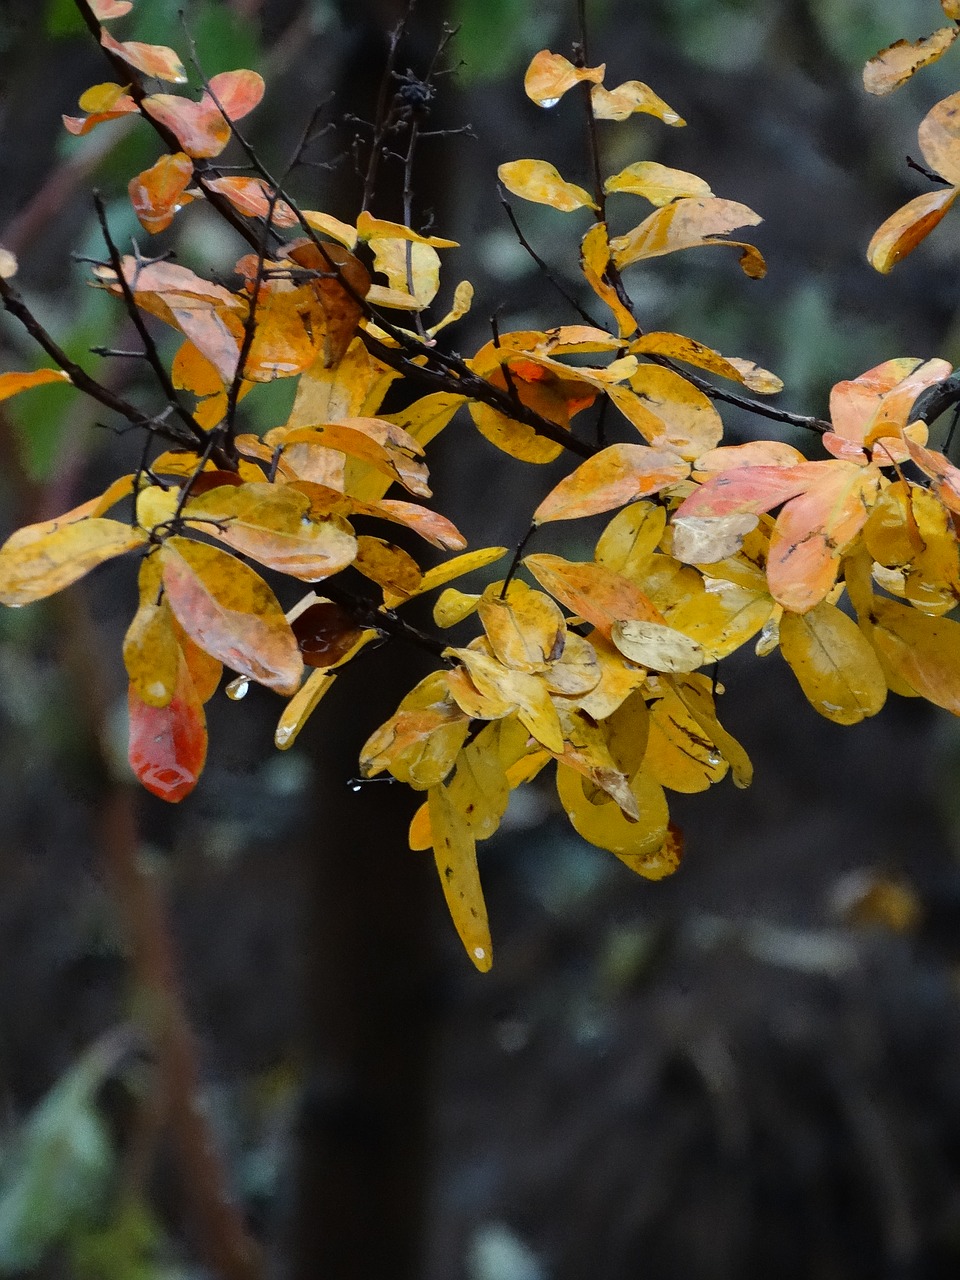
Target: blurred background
column 750, row 1069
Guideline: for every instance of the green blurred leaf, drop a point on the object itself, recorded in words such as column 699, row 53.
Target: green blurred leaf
column 63, row 19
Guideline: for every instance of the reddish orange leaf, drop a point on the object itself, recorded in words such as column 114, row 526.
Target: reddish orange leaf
column 254, row 198
column 159, row 192
column 168, row 745
column 592, row 591
column 237, row 92
column 199, row 127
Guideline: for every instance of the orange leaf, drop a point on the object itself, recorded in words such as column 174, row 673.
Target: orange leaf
column 237, row 92
column 678, row 347
column 903, row 230
column 878, row 403
column 102, row 102
column 254, row 199
column 231, row 613
column 614, row 476
column 11, row 384
column 158, row 193
column 199, row 127
column 630, row 97
column 592, row 591
column 594, row 262
column 342, row 280
column 550, row 75
column 892, row 67
column 945, row 476
column 686, row 224
column 389, row 566
column 168, row 745
column 152, row 59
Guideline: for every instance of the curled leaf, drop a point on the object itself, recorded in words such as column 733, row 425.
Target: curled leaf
column 630, row 97
column 159, row 192
column 903, row 230
column 687, row 224
column 550, row 75
column 539, row 181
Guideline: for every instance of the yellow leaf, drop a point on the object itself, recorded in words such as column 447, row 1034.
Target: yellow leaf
column 151, row 653
column 903, row 230
column 550, row 75
column 923, row 652
column 33, row 566
column 369, row 228
column 539, row 181
column 837, row 669
column 479, row 790
column 507, row 690
column 678, row 347
column 939, row 137
column 595, row 262
column 422, row 739
column 410, row 266
column 354, row 388
column 302, row 705
column 462, row 302
column 659, row 647
column 231, row 613
column 686, row 224
column 327, row 225
column 631, row 537
column 618, row 679
column 892, row 67
column 456, row 858
column 673, row 412
column 630, row 97
column 626, row 731
column 656, row 183
column 459, row 566
column 576, row 671
column 526, row 629
column 634, row 843
column 586, row 749
column 616, row 475
column 680, row 755
column 389, row 566
column 951, row 9
column 453, row 606
column 156, row 506
column 697, row 697
column 721, row 618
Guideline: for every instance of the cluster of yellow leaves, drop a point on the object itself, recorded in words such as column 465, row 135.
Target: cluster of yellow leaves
column 603, row 666
column 938, row 138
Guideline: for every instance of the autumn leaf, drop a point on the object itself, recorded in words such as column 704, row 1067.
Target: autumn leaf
column 254, row 199
column 689, row 223
column 539, row 181
column 525, row 628
column 614, row 476
column 939, row 138
column 159, row 192
column 895, row 65
column 656, row 182
column 392, row 568
column 151, row 652
column 922, row 651
column 592, row 591
column 152, row 59
column 199, row 127
column 231, row 613
column 36, row 565
column 667, row 409
column 301, row 706
column 837, row 669
column 420, row 742
column 876, row 406
column 680, row 754
column 631, row 537
column 634, row 843
column 168, row 744
column 456, row 858
column 101, row 102
column 550, row 75
column 657, row 646
column 11, row 384
column 630, row 97
column 903, row 230
column 688, row 350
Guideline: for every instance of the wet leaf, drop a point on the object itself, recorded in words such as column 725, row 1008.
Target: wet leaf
column 456, row 858
column 539, row 181
column 634, row 843
column 550, row 75
column 34, row 565
column 301, row 706
column 614, row 476
column 835, row 665
column 325, row 633
column 680, row 754
column 168, row 745
column 697, row 697
column 231, row 613
column 151, row 652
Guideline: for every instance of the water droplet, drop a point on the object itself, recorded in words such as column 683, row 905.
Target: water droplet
column 282, row 735
column 479, row 953
column 355, row 786
column 830, row 706
column 549, row 102
column 670, row 117
column 714, row 758
column 237, row 689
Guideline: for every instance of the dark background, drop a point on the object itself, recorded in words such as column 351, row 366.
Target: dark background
column 747, row 1070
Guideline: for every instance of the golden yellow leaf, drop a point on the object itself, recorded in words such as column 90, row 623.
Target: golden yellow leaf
column 456, row 857
column 327, row 225
column 592, row 591
column 594, row 262
column 932, row 580
column 539, row 181
column 479, row 790
column 231, row 613
column 35, row 565
column 302, row 705
column 951, row 9
column 462, row 302
column 616, row 475
column 526, row 629
column 151, row 653
column 453, row 606
column 369, row 228
column 721, row 618
column 630, row 97
column 576, row 671
column 678, row 347
column 894, row 66
column 675, row 413
column 618, row 679
column 656, row 646
column 686, row 224
column 836, row 667
column 903, row 230
column 680, row 755
column 372, row 441
column 922, row 651
column 939, row 137
column 354, row 388
column 626, row 731
column 508, row 690
column 656, row 183
column 392, row 568
column 411, row 267
column 459, row 566
column 156, row 506
column 586, row 749
column 550, row 75
column 631, row 537
column 604, row 826
column 420, row 742
column 697, row 697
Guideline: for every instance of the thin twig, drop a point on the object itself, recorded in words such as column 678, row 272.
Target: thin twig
column 544, row 267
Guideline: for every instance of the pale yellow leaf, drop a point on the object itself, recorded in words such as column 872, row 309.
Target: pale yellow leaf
column 539, row 181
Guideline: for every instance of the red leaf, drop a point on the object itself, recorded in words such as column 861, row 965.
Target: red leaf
column 168, row 745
